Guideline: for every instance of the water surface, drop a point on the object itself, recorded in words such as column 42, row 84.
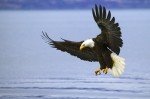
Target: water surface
column 31, row 69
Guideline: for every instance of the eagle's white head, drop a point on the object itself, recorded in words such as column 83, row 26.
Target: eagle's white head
column 87, row 43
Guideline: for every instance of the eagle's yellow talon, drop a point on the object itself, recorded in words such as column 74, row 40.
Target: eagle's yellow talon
column 105, row 71
column 98, row 71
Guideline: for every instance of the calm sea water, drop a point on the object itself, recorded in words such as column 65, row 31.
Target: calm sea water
column 31, row 69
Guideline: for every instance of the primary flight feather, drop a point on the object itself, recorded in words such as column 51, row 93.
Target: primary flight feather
column 104, row 48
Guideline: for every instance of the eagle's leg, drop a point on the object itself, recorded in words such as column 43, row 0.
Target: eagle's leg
column 105, row 71
column 97, row 71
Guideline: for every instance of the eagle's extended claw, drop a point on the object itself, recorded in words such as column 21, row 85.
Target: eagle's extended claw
column 105, row 71
column 98, row 71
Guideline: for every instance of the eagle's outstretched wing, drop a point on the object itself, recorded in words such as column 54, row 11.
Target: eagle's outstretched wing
column 111, row 34
column 71, row 48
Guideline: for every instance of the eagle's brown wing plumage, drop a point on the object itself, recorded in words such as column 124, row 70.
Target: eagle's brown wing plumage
column 72, row 48
column 111, row 34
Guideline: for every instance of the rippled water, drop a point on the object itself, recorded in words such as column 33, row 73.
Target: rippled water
column 30, row 69
column 74, row 88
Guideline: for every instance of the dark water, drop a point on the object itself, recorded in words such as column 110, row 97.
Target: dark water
column 30, row 69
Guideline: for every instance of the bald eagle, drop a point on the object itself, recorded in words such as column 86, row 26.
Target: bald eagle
column 104, row 48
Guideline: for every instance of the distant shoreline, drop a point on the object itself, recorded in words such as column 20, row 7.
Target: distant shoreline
column 69, row 9
column 72, row 4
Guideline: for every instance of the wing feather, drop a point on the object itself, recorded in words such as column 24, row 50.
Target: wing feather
column 111, row 32
column 109, row 16
column 72, row 48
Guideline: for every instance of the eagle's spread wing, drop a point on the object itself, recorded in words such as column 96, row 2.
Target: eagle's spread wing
column 72, row 48
column 111, row 34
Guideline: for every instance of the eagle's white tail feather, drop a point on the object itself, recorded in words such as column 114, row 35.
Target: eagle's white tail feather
column 118, row 65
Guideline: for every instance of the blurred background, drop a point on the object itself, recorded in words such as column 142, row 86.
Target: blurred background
column 31, row 69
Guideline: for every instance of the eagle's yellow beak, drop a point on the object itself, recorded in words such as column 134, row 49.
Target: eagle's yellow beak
column 81, row 47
